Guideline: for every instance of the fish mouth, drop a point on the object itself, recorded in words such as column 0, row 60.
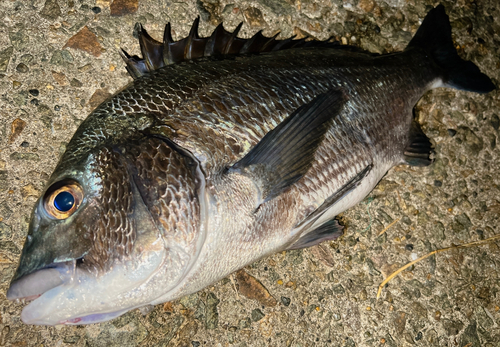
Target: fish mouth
column 31, row 286
column 70, row 294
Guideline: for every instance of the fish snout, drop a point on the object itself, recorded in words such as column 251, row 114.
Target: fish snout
column 34, row 284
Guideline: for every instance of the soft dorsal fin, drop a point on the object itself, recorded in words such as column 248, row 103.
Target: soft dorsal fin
column 221, row 43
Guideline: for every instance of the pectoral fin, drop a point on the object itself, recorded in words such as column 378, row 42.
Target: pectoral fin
column 286, row 153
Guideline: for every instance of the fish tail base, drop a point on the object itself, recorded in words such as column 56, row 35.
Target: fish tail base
column 434, row 37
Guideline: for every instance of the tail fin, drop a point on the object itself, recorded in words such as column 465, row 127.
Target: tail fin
column 434, row 37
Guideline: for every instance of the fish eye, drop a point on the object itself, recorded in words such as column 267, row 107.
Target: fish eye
column 63, row 199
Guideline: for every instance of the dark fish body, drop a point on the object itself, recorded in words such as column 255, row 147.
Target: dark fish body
column 201, row 167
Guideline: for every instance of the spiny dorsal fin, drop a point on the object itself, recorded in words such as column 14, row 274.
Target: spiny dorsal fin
column 220, row 43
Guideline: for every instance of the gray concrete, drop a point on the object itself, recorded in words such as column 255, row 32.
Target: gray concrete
column 326, row 295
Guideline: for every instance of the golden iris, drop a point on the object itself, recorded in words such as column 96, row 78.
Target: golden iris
column 63, row 199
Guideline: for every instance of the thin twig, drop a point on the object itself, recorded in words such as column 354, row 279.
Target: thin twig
column 397, row 272
column 233, row 282
column 387, row 227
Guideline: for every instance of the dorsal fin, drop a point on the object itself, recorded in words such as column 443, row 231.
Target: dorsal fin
column 152, row 50
column 136, row 66
column 220, row 43
column 195, row 45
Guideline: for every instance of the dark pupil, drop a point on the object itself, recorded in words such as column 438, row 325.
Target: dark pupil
column 64, row 201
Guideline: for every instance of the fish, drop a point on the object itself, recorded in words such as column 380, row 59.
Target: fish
column 223, row 151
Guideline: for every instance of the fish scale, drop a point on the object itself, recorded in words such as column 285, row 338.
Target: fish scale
column 202, row 166
column 264, row 110
column 340, row 142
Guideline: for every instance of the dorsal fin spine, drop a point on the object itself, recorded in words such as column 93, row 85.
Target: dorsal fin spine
column 268, row 46
column 167, row 42
column 193, row 35
column 136, row 66
column 283, row 43
column 256, row 39
column 210, row 46
column 151, row 50
column 167, row 34
column 227, row 48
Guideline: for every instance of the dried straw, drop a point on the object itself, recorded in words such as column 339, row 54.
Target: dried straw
column 397, row 272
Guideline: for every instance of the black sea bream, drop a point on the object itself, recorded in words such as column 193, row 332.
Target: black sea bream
column 223, row 151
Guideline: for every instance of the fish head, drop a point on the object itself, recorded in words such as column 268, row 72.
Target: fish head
column 114, row 230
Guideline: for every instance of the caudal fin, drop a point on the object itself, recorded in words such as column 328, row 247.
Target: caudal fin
column 434, row 37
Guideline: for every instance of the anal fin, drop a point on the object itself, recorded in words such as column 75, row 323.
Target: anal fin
column 342, row 192
column 419, row 148
column 329, row 231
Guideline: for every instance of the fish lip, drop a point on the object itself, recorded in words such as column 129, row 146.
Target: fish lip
column 31, row 286
column 87, row 297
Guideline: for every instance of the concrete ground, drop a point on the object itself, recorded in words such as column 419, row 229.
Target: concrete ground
column 59, row 59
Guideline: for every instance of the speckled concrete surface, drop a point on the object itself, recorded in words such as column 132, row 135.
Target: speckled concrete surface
column 325, row 295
